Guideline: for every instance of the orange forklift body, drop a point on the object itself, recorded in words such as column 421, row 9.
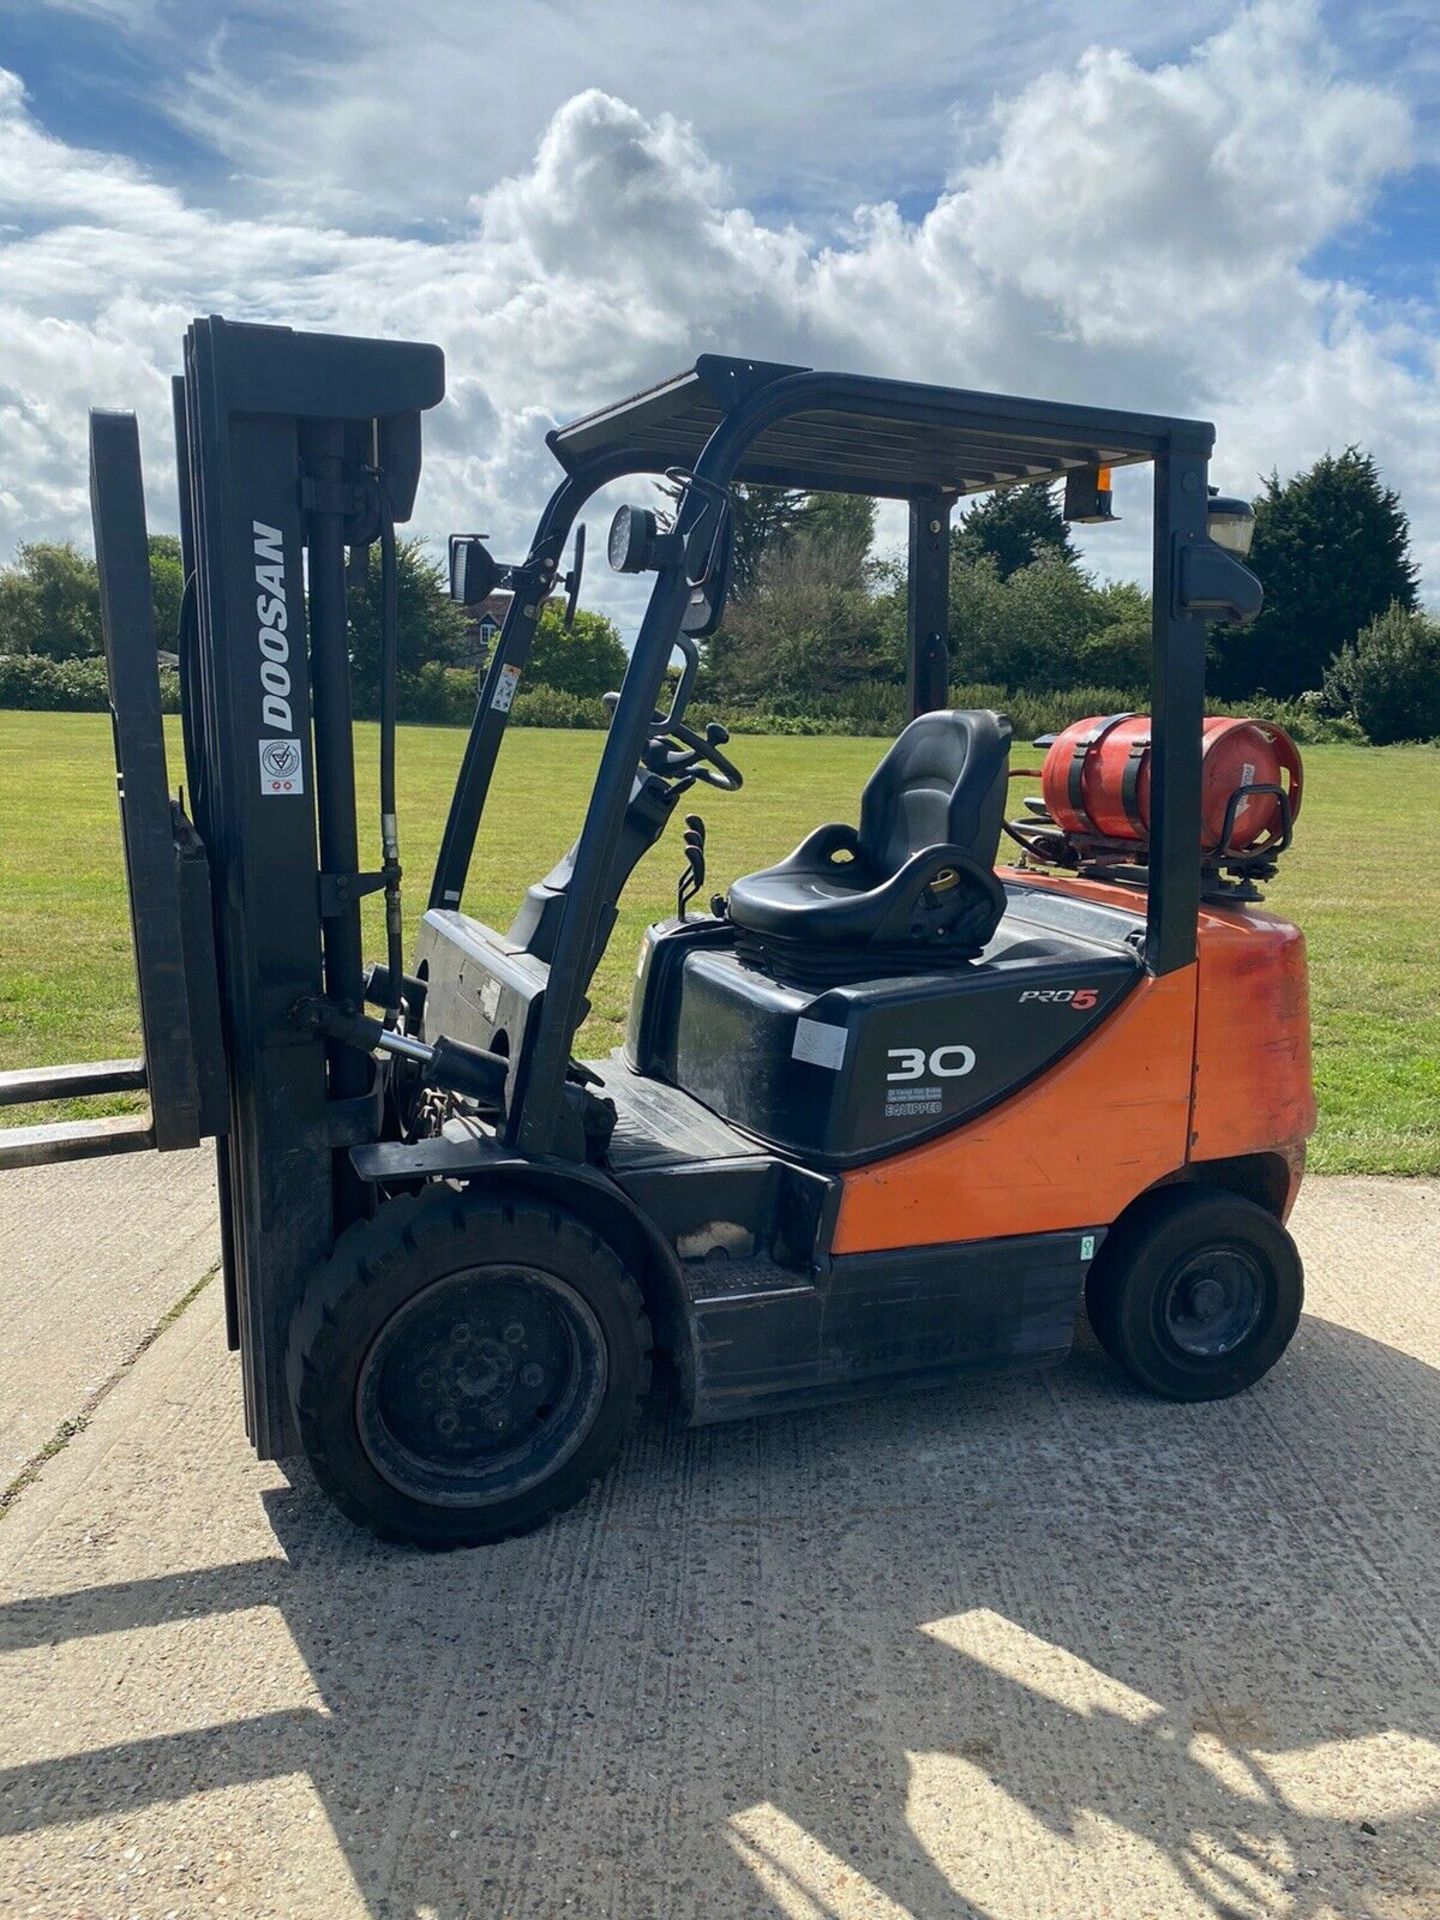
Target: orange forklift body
column 1159, row 1088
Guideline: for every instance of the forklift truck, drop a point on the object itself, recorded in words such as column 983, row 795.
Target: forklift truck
column 884, row 1114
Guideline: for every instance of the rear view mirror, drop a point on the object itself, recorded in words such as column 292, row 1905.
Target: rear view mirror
column 474, row 571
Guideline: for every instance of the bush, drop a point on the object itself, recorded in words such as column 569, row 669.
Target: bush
column 1026, row 630
column 809, row 631
column 542, row 706
column 445, row 697
column 36, row 684
column 30, row 680
column 874, row 709
column 879, row 711
column 1046, row 710
column 439, row 696
column 436, row 696
column 585, row 660
column 1117, row 652
column 1387, row 678
column 1304, row 719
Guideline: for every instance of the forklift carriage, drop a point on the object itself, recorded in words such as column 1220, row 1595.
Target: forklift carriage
column 883, row 1115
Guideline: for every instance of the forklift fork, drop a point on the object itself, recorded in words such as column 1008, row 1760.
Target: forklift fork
column 167, row 873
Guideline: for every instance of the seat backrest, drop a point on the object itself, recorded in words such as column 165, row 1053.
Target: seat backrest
column 941, row 784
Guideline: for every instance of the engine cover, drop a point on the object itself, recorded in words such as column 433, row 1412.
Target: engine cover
column 858, row 1071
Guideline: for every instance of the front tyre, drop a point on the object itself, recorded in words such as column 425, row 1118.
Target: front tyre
column 1196, row 1293
column 461, row 1369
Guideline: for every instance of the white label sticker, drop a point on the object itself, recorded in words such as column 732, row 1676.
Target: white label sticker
column 819, row 1044
column 505, row 689
column 913, row 1103
column 1087, row 1246
column 282, row 767
column 1247, row 779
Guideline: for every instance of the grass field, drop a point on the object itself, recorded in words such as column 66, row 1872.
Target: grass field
column 1360, row 881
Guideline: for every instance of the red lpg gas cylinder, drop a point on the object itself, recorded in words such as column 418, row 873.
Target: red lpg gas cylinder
column 1097, row 778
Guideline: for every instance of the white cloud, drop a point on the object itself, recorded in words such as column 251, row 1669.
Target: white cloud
column 1132, row 234
column 378, row 114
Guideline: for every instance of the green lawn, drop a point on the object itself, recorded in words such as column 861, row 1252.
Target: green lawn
column 1369, row 904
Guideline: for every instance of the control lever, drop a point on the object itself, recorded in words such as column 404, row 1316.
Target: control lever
column 471, row 1071
column 693, row 878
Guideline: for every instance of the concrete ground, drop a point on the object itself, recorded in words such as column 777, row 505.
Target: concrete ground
column 1036, row 1649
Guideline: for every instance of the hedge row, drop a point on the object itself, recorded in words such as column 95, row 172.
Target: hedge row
column 880, row 711
column 445, row 696
column 436, row 696
column 37, row 684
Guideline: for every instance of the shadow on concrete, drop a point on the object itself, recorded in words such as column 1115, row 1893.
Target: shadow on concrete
column 923, row 1657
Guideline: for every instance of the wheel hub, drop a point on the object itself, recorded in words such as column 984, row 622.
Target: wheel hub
column 481, row 1383
column 1213, row 1301
column 1207, row 1297
column 481, row 1371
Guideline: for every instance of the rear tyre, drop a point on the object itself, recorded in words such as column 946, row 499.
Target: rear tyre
column 1196, row 1293
column 462, row 1369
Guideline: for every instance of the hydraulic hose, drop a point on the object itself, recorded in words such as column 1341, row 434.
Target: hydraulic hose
column 389, row 695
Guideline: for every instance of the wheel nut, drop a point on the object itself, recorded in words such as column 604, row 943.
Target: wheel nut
column 446, row 1423
column 460, row 1334
column 532, row 1374
column 498, row 1422
column 514, row 1333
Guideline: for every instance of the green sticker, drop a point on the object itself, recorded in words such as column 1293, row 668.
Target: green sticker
column 1087, row 1246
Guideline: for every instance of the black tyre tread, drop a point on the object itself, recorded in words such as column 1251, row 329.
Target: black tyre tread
column 1117, row 1251
column 401, row 1230
column 1128, row 1243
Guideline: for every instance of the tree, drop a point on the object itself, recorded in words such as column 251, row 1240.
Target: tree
column 762, row 518
column 50, row 602
column 167, row 588
column 1388, row 677
column 1117, row 652
column 1025, row 630
column 1015, row 526
column 588, row 659
column 50, row 599
column 766, row 519
column 809, row 629
column 844, row 523
column 1332, row 551
column 430, row 628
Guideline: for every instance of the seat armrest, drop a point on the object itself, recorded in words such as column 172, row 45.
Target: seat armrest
column 818, row 850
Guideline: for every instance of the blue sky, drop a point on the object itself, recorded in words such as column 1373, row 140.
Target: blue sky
column 1207, row 208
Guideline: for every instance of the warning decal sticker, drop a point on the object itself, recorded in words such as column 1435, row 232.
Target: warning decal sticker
column 282, row 767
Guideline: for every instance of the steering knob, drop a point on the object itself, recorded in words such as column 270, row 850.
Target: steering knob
column 678, row 751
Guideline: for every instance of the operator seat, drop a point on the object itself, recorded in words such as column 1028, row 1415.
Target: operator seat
column 914, row 889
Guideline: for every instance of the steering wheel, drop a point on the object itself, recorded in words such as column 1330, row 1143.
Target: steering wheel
column 680, row 750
